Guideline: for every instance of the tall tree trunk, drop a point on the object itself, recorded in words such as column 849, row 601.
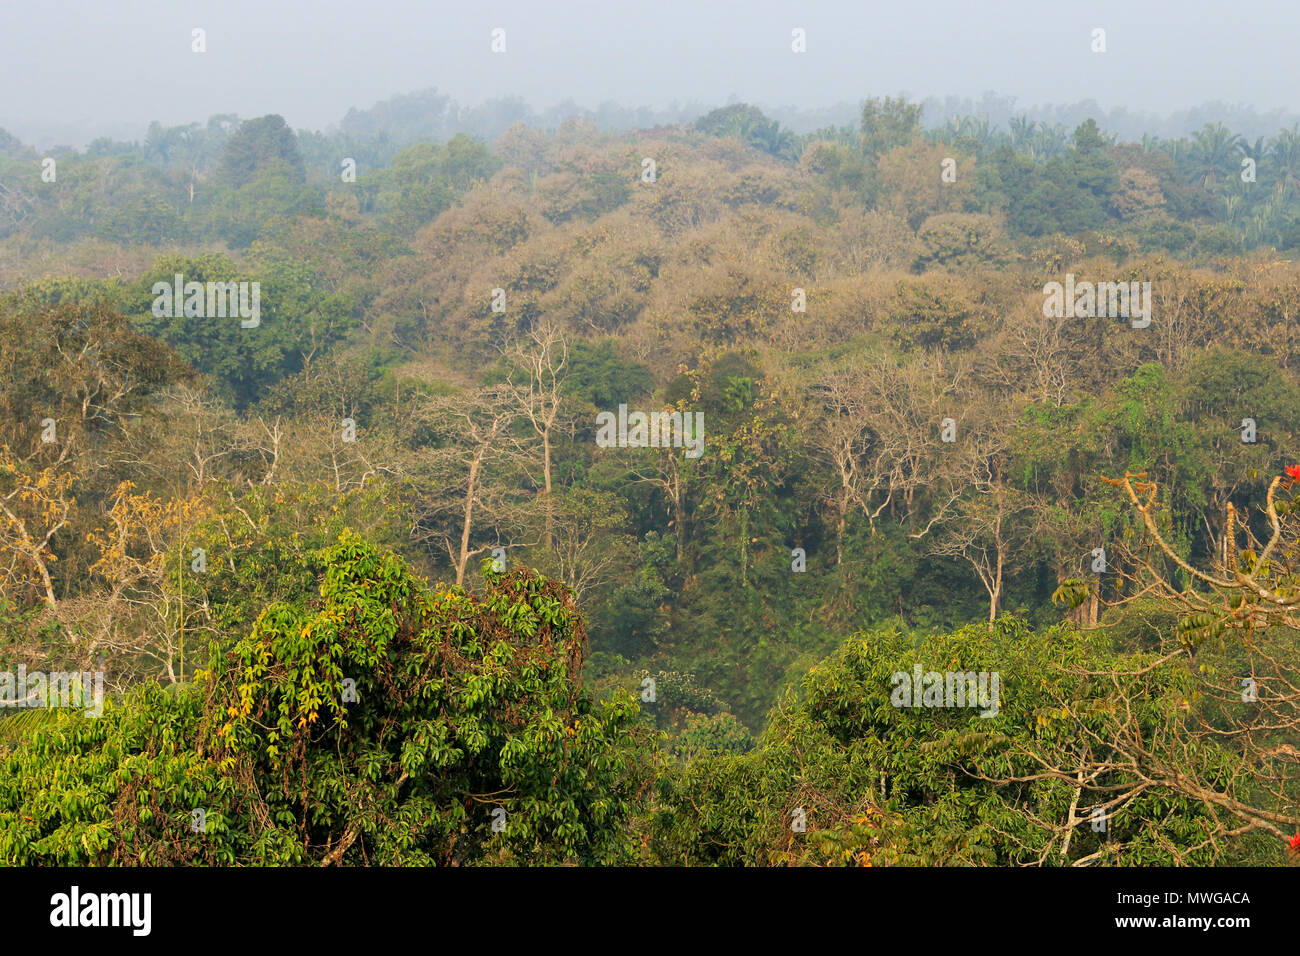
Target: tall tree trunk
column 840, row 524
column 679, row 513
column 546, row 493
column 995, row 593
column 469, row 515
column 744, row 549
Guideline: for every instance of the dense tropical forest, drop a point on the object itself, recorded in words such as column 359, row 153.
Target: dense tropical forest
column 367, row 576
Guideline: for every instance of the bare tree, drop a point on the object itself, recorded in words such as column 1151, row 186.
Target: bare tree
column 589, row 546
column 537, row 371
column 881, row 433
column 843, row 440
column 986, row 529
column 473, row 430
column 1034, row 356
column 1243, row 703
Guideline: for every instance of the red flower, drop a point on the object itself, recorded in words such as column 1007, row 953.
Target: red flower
column 1293, row 472
column 1294, row 843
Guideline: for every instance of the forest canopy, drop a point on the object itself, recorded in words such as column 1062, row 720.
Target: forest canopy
column 941, row 577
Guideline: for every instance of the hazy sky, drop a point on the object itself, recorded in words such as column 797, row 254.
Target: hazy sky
column 114, row 64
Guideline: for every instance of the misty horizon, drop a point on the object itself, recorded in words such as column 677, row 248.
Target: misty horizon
column 1166, row 69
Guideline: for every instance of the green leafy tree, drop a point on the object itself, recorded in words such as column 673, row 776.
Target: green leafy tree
column 887, row 123
column 256, row 145
column 844, row 776
column 380, row 723
column 749, row 125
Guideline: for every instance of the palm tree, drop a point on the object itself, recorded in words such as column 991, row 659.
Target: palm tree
column 1213, row 153
column 1049, row 141
column 1021, row 132
column 1257, row 152
column 981, row 132
column 974, row 130
column 1286, row 161
column 1231, row 203
column 1176, row 149
column 1259, row 225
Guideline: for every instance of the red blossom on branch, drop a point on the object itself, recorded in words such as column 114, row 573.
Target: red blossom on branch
column 1294, row 843
column 1293, row 472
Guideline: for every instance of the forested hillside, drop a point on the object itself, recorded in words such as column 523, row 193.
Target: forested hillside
column 376, row 569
